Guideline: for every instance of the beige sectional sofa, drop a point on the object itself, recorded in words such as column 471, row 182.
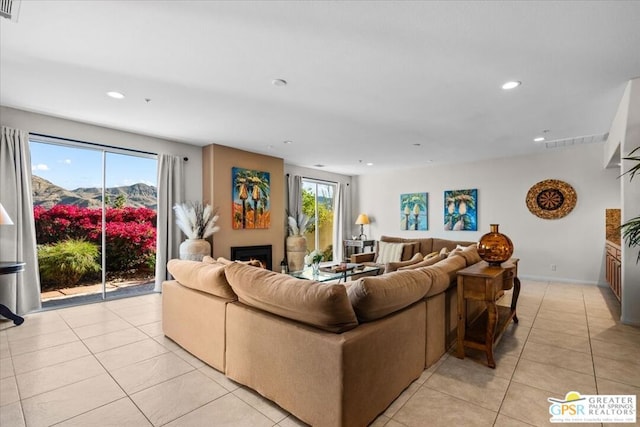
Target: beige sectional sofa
column 331, row 354
column 442, row 306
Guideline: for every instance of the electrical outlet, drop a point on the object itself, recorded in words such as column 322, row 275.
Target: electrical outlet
column 553, row 267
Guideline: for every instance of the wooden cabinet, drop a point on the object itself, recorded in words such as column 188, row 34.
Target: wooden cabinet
column 613, row 267
column 481, row 282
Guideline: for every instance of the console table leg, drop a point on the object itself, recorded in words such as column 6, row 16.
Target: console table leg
column 514, row 298
column 4, row 311
column 462, row 319
column 492, row 321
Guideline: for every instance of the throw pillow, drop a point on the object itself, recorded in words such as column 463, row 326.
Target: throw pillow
column 393, row 266
column 470, row 254
column 454, row 252
column 389, row 252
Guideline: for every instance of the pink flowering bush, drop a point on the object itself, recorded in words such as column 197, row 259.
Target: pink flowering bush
column 130, row 232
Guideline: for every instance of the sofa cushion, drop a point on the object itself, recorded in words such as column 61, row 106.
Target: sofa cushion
column 325, row 306
column 470, row 254
column 205, row 277
column 454, row 252
column 210, row 260
column 439, row 278
column 393, row 266
column 377, row 296
column 451, row 265
column 224, row 261
column 389, row 252
column 427, row 261
column 438, row 244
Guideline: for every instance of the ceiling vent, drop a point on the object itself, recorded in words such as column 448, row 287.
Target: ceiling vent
column 9, row 9
column 566, row 142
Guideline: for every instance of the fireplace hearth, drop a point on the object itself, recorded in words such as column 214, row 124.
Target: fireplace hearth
column 261, row 253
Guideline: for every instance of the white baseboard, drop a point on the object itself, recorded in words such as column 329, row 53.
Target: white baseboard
column 562, row 280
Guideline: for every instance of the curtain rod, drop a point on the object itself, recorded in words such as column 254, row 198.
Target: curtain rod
column 319, row 179
column 95, row 144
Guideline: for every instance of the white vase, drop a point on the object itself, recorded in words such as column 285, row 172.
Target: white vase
column 194, row 249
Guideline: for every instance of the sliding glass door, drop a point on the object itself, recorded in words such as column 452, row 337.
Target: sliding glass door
column 95, row 214
column 317, row 203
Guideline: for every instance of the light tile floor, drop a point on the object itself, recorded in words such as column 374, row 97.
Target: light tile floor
column 109, row 364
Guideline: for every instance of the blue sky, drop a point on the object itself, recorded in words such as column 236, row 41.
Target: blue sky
column 71, row 167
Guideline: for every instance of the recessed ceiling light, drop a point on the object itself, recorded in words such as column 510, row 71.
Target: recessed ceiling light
column 369, row 164
column 538, row 139
column 417, row 144
column 511, row 85
column 318, row 166
column 287, row 142
column 115, row 95
column 279, row 82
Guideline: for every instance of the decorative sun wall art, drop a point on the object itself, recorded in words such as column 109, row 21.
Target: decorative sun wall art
column 251, row 191
column 413, row 211
column 551, row 199
column 460, row 210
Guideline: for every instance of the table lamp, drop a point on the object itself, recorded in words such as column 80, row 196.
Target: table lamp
column 361, row 221
column 5, row 219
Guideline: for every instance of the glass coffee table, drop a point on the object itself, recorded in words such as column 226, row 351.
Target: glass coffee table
column 329, row 272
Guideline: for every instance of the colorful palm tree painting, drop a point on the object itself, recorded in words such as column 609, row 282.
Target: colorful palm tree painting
column 251, row 196
column 413, row 211
column 460, row 210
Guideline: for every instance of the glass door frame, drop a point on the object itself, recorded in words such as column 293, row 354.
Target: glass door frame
column 104, row 151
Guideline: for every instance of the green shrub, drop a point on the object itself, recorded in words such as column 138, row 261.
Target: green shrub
column 66, row 262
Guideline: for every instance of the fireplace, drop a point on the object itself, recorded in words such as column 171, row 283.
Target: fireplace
column 248, row 253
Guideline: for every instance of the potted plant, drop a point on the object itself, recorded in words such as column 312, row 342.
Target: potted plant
column 197, row 222
column 296, row 241
column 631, row 228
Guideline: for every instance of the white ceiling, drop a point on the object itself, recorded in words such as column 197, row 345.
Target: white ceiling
column 367, row 80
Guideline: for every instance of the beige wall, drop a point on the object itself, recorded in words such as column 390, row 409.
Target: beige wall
column 217, row 162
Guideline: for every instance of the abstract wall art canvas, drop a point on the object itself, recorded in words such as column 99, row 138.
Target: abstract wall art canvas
column 251, row 195
column 414, row 211
column 460, row 210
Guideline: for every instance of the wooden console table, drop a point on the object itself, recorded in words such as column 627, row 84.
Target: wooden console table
column 357, row 244
column 11, row 268
column 482, row 282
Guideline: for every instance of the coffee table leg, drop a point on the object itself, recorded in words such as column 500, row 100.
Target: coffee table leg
column 4, row 311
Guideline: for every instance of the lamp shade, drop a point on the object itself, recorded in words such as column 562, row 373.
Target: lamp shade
column 5, row 219
column 362, row 219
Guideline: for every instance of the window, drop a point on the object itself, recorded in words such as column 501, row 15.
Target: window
column 317, row 203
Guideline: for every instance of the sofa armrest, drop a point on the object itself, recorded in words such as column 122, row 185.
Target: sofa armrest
column 363, row 257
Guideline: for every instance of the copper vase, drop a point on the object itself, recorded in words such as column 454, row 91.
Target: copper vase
column 494, row 247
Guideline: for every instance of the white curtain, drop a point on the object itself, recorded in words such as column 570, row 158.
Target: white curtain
column 19, row 292
column 170, row 192
column 294, row 196
column 339, row 216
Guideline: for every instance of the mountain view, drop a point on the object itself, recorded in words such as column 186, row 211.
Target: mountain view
column 47, row 194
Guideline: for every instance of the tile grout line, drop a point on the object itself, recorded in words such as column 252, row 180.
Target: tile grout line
column 520, row 357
